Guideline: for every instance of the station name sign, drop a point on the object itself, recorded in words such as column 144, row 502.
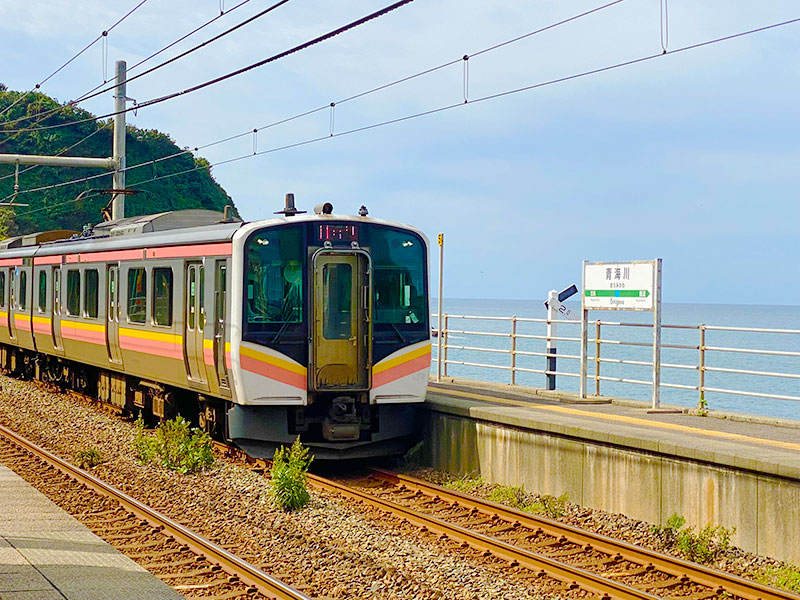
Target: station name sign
column 619, row 285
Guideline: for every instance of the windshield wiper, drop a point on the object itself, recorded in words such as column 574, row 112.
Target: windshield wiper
column 397, row 331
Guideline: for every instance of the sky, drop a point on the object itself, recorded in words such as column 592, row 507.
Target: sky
column 692, row 157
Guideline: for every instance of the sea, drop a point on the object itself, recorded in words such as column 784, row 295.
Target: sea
column 725, row 315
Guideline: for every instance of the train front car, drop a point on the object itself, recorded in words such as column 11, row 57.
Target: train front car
column 330, row 337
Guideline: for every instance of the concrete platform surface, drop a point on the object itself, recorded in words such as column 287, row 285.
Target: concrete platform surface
column 46, row 554
column 756, row 444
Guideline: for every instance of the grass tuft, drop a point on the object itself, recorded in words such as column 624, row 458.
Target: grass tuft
column 288, row 488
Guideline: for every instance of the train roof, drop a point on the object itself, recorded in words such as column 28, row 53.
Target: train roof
column 193, row 226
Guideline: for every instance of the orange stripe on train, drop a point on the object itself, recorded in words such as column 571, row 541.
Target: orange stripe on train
column 407, row 368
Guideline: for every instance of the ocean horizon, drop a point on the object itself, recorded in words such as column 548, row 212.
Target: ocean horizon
column 758, row 316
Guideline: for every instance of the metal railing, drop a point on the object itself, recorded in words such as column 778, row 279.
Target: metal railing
column 598, row 358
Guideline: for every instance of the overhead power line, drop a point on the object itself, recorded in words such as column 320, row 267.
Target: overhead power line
column 85, row 48
column 96, row 91
column 261, row 63
column 418, row 114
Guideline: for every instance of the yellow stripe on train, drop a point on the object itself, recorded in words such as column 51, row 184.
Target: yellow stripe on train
column 272, row 360
column 380, row 367
column 170, row 338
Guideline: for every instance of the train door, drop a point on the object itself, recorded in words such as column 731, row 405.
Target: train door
column 113, row 314
column 55, row 308
column 220, row 303
column 194, row 322
column 12, row 302
column 341, row 312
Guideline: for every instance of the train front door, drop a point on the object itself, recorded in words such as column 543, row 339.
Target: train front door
column 12, row 302
column 194, row 322
column 220, row 306
column 55, row 317
column 340, row 348
column 112, row 314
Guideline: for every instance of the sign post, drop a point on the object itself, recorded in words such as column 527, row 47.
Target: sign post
column 440, row 334
column 633, row 285
column 554, row 308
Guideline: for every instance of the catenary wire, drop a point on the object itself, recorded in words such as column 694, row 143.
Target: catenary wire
column 381, row 87
column 261, row 63
column 425, row 113
column 85, row 48
column 103, row 127
column 96, row 91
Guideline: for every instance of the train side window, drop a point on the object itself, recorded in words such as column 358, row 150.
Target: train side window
column 162, row 296
column 137, row 295
column 23, row 289
column 42, row 291
column 92, row 284
column 73, row 292
column 3, row 288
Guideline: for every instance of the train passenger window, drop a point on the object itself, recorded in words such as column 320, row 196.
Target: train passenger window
column 42, row 291
column 23, row 289
column 2, row 288
column 274, row 277
column 73, row 292
column 137, row 295
column 162, row 296
column 90, row 301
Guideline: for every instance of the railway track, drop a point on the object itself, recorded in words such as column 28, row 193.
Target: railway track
column 183, row 559
column 579, row 559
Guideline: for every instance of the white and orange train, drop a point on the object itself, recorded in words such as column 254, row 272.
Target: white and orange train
column 301, row 325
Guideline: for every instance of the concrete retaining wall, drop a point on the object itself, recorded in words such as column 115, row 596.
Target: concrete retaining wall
column 622, row 477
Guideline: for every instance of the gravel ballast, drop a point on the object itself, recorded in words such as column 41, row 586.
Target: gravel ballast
column 330, row 549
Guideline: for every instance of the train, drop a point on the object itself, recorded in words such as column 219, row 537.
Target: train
column 310, row 325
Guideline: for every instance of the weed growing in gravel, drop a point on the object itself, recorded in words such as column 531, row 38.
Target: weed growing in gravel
column 552, row 506
column 88, row 459
column 288, row 477
column 701, row 546
column 465, row 484
column 786, row 577
column 509, row 495
column 174, row 445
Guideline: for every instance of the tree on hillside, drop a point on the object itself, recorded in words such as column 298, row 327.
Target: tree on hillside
column 58, row 208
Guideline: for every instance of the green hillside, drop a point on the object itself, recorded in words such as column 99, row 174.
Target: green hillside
column 58, row 208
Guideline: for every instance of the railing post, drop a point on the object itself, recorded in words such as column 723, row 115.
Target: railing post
column 444, row 346
column 702, row 368
column 597, row 358
column 514, row 350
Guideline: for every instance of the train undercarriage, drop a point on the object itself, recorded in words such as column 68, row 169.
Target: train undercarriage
column 334, row 425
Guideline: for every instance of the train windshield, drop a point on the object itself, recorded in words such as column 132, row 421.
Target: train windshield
column 400, row 290
column 274, row 282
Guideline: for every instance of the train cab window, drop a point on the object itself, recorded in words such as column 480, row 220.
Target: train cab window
column 73, row 292
column 2, row 288
column 91, row 280
column 23, row 289
column 137, row 295
column 399, row 288
column 162, row 297
column 274, row 277
column 42, row 291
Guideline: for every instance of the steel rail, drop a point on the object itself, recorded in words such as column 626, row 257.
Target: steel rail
column 230, row 563
column 571, row 576
column 718, row 581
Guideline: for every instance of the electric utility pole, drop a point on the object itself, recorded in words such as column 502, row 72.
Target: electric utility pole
column 116, row 162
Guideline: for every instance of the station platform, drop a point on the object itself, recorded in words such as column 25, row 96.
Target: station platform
column 46, row 554
column 614, row 454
